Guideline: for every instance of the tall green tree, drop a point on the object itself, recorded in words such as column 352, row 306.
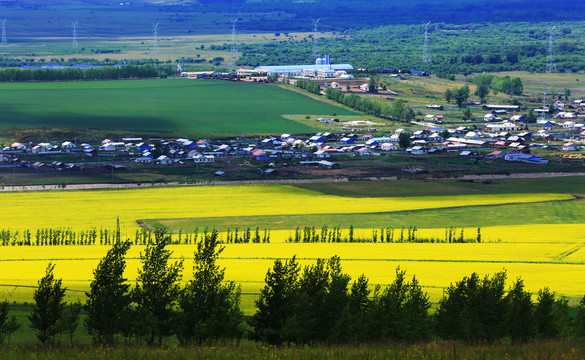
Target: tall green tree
column 448, row 95
column 416, row 307
column 210, row 308
column 530, row 118
column 519, row 319
column 48, row 307
column 108, row 302
column 567, row 94
column 8, row 323
column 580, row 319
column 461, row 95
column 69, row 322
column 358, row 309
column 319, row 303
column 473, row 309
column 404, row 140
column 275, row 301
column 482, row 91
column 373, row 84
column 544, row 315
column 400, row 311
column 157, row 290
column 563, row 320
column 388, row 320
column 401, row 112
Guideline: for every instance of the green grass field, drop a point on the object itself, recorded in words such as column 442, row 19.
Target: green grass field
column 533, row 83
column 203, row 107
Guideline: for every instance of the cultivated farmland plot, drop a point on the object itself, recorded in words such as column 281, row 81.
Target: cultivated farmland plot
column 196, row 107
column 543, row 254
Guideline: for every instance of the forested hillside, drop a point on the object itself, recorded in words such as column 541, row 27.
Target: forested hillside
column 109, row 18
column 453, row 48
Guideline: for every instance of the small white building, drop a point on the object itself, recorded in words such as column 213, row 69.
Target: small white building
column 388, row 147
column 472, row 135
column 568, row 125
column 418, row 150
column 326, row 73
column 321, row 154
column 489, row 117
column 570, row 147
column 364, row 152
column 67, row 145
column 203, row 159
column 164, row 160
column 506, row 126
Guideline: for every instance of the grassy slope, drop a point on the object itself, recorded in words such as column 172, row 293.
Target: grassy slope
column 573, row 185
column 570, row 212
column 163, row 105
column 533, row 82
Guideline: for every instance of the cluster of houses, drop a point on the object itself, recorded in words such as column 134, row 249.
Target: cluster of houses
column 315, row 149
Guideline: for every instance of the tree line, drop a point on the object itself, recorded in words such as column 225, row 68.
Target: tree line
column 85, row 74
column 68, row 237
column 310, row 234
column 398, row 111
column 311, row 304
column 308, row 85
column 307, row 234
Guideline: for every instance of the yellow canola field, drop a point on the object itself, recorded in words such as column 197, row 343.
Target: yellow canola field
column 82, row 210
column 435, row 265
column 535, row 233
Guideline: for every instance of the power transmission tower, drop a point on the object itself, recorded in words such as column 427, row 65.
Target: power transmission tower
column 234, row 49
column 4, row 41
column 74, row 27
column 426, row 57
column 316, row 53
column 543, row 114
column 155, row 36
column 551, row 66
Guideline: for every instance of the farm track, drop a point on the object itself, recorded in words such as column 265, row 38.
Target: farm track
column 569, row 251
column 283, row 182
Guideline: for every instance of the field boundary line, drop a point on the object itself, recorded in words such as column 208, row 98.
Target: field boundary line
column 423, row 260
column 477, row 261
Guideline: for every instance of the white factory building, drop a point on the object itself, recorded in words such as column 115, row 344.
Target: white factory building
column 322, row 68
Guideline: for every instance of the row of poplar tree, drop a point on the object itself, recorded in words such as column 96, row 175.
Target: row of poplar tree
column 300, row 305
column 86, row 74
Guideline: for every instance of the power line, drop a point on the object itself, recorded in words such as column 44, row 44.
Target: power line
column 74, row 27
column 316, row 53
column 551, row 66
column 426, row 57
column 155, row 36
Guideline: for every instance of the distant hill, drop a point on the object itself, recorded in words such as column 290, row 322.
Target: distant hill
column 186, row 16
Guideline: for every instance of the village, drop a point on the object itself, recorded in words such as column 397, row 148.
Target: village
column 508, row 140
